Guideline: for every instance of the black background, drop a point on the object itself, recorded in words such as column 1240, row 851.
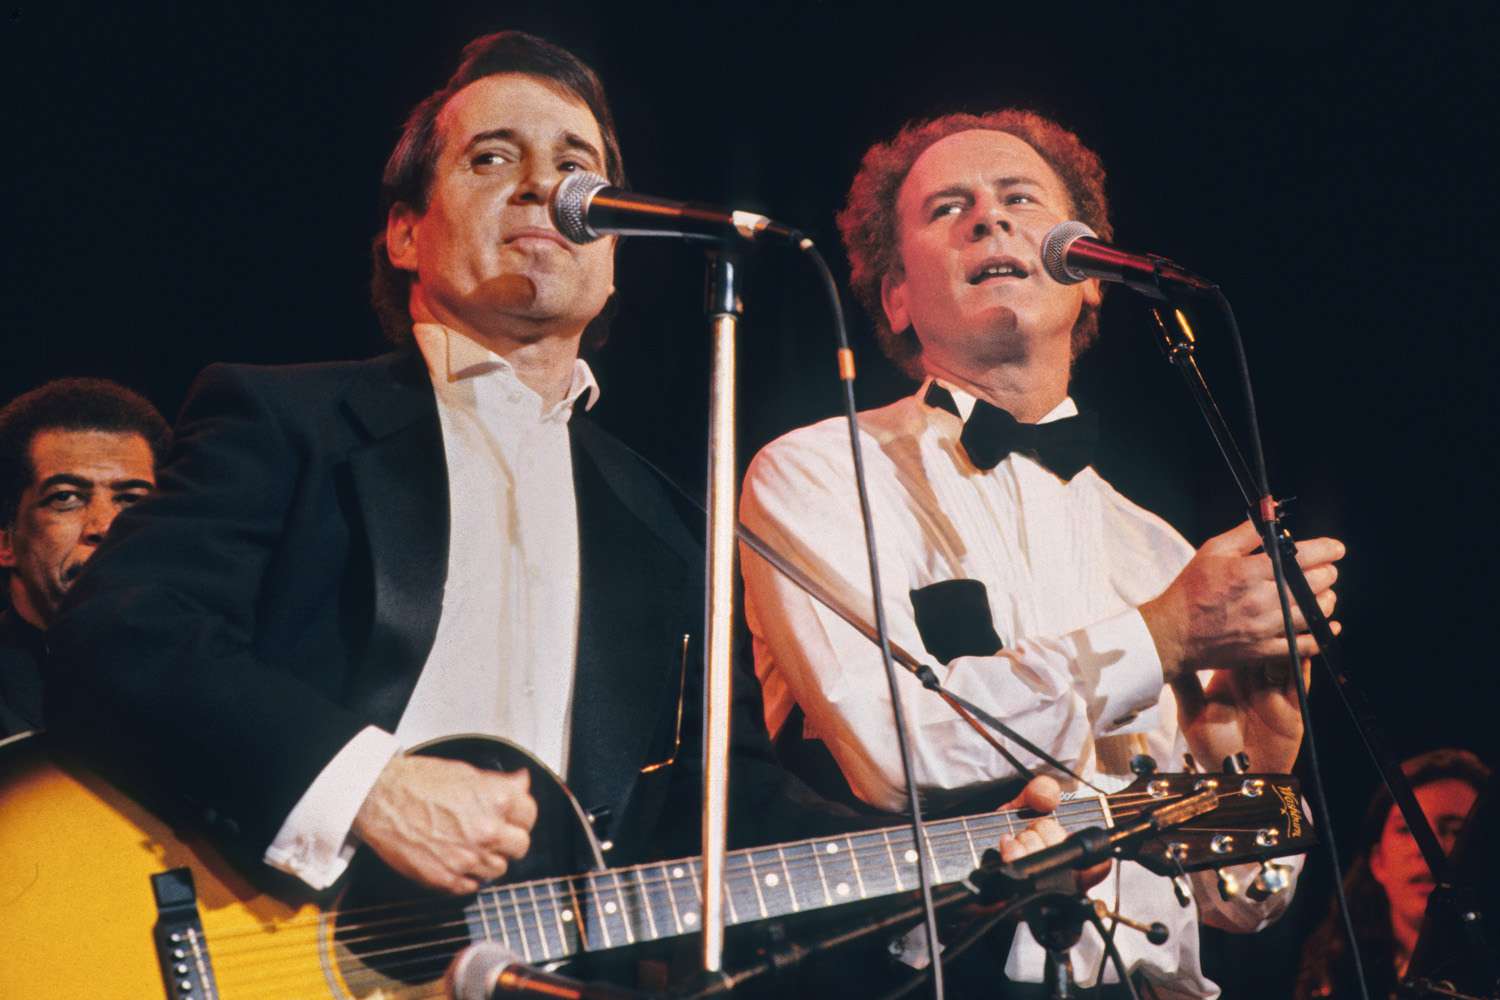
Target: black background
column 199, row 184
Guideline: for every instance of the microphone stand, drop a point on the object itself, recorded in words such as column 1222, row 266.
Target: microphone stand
column 1178, row 344
column 724, row 309
column 792, row 953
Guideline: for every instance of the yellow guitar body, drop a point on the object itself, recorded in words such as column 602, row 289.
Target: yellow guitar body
column 76, row 908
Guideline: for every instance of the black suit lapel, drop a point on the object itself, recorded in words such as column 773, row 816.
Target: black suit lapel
column 639, row 569
column 400, row 482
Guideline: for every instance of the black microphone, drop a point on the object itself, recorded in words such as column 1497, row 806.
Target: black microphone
column 490, row 971
column 585, row 207
column 1072, row 252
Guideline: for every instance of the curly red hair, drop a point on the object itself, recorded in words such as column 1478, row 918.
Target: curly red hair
column 868, row 221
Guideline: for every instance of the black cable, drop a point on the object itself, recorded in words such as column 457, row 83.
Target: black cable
column 1272, row 544
column 1114, row 955
column 846, row 376
column 971, row 936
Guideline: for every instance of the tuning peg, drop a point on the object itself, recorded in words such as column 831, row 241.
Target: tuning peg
column 1188, row 763
column 1229, row 886
column 1143, row 764
column 1270, row 880
column 1182, row 890
column 1238, row 764
column 1156, row 931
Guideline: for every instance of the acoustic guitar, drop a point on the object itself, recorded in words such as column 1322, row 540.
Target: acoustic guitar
column 100, row 897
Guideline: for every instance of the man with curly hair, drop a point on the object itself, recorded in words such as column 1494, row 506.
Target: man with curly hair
column 1036, row 590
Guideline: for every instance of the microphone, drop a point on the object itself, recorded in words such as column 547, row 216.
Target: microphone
column 585, row 206
column 490, row 971
column 1072, row 252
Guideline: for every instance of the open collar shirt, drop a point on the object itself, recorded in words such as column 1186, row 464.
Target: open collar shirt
column 502, row 661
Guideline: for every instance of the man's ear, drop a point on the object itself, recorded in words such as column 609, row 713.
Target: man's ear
column 401, row 224
column 1092, row 295
column 7, row 548
column 893, row 300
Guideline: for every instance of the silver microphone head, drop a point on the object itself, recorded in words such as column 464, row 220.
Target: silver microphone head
column 1055, row 250
column 476, row 970
column 569, row 205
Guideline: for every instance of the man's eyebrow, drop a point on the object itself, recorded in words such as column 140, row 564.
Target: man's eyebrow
column 572, row 140
column 568, row 140
column 1016, row 180
column 132, row 484
column 951, row 191
column 65, row 479
column 503, row 134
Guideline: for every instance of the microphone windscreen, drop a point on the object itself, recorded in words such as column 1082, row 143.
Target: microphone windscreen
column 1055, row 250
column 476, row 970
column 569, row 205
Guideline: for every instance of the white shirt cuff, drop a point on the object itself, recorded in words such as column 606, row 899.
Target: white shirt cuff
column 1120, row 673
column 314, row 842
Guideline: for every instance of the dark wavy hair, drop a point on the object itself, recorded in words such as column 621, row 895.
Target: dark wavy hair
column 868, row 221
column 408, row 172
column 1327, row 968
column 69, row 404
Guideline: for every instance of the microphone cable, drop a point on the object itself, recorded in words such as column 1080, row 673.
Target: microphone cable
column 846, row 378
column 1272, row 543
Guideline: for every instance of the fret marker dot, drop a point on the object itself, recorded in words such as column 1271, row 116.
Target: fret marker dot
column 690, row 918
column 567, row 916
column 842, row 888
column 910, row 856
column 610, row 907
column 773, row 880
column 678, row 872
column 832, row 848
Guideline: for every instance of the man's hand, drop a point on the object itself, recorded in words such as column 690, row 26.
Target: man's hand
column 1041, row 795
column 1223, row 611
column 445, row 824
column 1250, row 709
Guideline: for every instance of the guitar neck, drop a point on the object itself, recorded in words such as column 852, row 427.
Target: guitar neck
column 552, row 919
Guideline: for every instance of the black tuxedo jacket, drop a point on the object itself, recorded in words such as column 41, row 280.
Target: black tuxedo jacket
column 282, row 589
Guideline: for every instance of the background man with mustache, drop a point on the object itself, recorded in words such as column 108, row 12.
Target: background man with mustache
column 73, row 453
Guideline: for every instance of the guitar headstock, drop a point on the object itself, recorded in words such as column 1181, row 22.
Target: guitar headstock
column 1256, row 817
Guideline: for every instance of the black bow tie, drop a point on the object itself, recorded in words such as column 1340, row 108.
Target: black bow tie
column 1065, row 446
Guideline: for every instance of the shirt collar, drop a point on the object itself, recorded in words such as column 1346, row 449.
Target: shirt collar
column 452, row 357
column 966, row 400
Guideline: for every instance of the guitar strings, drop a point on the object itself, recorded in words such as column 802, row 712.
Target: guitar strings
column 985, row 825
column 738, row 863
column 494, row 899
column 523, row 910
column 508, row 903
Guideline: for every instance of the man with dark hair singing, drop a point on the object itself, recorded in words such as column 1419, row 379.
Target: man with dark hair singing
column 1039, row 592
column 73, row 453
column 347, row 560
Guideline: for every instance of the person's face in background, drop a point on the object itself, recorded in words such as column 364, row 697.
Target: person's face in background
column 1397, row 863
column 81, row 480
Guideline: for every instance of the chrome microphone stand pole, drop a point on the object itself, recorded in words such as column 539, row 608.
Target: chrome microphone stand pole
column 724, row 310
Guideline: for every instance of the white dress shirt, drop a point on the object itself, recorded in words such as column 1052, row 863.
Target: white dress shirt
column 502, row 661
column 1065, row 566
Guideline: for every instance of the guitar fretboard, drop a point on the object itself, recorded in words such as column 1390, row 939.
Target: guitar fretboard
column 551, row 919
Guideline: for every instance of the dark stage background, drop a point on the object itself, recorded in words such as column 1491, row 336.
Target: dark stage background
column 199, row 184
